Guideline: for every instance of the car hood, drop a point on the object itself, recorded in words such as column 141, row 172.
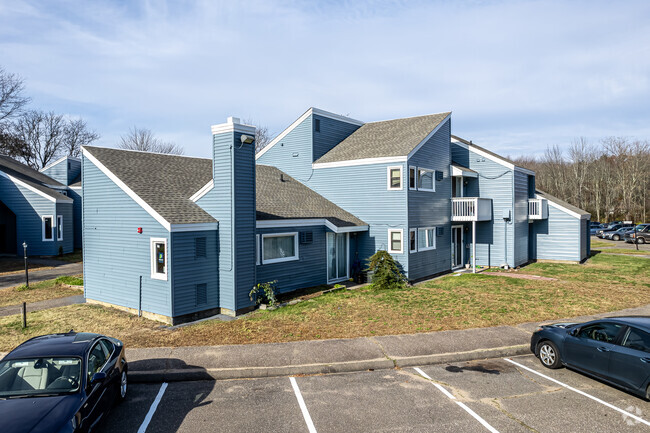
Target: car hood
column 560, row 325
column 37, row 414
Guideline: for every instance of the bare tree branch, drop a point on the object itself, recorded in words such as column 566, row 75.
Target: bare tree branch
column 143, row 139
column 12, row 100
column 76, row 135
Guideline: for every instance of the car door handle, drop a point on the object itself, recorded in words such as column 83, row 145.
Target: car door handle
column 646, row 360
column 603, row 349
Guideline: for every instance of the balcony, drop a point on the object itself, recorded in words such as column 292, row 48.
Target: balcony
column 471, row 209
column 537, row 209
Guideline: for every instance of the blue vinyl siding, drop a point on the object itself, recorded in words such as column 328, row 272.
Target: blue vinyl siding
column 293, row 154
column 66, row 210
column 190, row 271
column 432, row 209
column 309, row 271
column 74, row 169
column 58, row 172
column 557, row 238
column 29, row 207
column 115, row 255
column 75, row 194
column 520, row 219
column 332, row 132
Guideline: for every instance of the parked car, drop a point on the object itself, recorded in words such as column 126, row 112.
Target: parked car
column 640, row 235
column 615, row 350
column 61, row 382
column 610, row 228
column 617, row 235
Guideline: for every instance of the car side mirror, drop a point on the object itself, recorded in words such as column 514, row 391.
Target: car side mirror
column 97, row 378
column 574, row 332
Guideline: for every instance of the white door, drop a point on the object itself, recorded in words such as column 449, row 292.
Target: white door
column 337, row 256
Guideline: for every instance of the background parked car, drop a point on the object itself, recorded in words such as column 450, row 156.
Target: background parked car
column 641, row 234
column 618, row 235
column 610, row 228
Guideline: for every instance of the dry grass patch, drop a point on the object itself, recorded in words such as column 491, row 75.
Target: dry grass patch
column 49, row 289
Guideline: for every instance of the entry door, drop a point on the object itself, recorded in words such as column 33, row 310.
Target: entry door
column 456, row 247
column 337, row 256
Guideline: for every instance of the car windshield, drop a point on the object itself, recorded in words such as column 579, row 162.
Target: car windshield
column 31, row 377
column 640, row 227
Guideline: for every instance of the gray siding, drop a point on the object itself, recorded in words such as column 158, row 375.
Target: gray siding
column 309, row 271
column 29, row 207
column 115, row 255
column 557, row 237
column 584, row 239
column 432, row 209
column 190, row 270
column 332, row 132
column 293, row 154
column 520, row 219
column 75, row 194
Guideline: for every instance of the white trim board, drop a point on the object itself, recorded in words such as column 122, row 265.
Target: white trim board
column 276, row 224
column 203, row 191
column 457, row 171
column 301, row 119
column 429, row 135
column 492, row 158
column 562, row 208
column 52, row 164
column 365, row 161
column 37, row 191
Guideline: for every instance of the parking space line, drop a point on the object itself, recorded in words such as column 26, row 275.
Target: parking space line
column 611, row 406
column 459, row 403
column 152, row 409
column 303, row 407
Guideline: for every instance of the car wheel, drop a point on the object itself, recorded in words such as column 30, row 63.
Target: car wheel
column 641, row 240
column 548, row 354
column 122, row 387
column 616, row 237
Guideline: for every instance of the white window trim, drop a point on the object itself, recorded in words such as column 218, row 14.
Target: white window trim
column 401, row 177
column 152, row 259
column 51, row 217
column 281, row 259
column 257, row 249
column 433, row 180
column 59, row 225
column 416, row 240
column 426, row 236
column 413, row 167
column 390, row 243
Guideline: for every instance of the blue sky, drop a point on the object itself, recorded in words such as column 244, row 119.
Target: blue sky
column 518, row 75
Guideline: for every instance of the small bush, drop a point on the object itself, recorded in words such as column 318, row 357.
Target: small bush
column 71, row 281
column 264, row 292
column 386, row 273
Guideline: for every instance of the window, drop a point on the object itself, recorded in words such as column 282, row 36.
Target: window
column 59, row 227
column 48, row 234
column 395, row 241
column 257, row 249
column 606, row 332
column 395, row 178
column 279, row 247
column 317, row 125
column 412, row 177
column 637, row 340
column 108, row 347
column 426, row 238
column 96, row 360
column 200, row 248
column 159, row 258
column 425, row 180
column 413, row 246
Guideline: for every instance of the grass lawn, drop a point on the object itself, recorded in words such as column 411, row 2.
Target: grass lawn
column 604, row 283
column 600, row 244
column 623, row 251
column 74, row 257
column 50, row 289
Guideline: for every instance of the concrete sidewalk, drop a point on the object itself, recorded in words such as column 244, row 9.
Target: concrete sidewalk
column 336, row 356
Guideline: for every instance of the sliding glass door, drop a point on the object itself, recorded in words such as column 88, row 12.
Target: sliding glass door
column 337, row 256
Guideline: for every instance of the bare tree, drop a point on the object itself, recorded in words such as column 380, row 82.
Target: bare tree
column 262, row 138
column 76, row 135
column 144, row 140
column 42, row 137
column 12, row 100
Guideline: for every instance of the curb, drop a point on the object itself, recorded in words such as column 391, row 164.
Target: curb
column 178, row 375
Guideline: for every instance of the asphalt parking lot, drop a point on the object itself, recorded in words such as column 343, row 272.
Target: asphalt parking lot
column 497, row 395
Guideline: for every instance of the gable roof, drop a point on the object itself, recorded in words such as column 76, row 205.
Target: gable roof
column 388, row 138
column 561, row 203
column 491, row 155
column 167, row 184
column 279, row 196
column 32, row 179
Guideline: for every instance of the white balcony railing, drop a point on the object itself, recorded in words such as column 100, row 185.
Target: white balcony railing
column 537, row 209
column 471, row 209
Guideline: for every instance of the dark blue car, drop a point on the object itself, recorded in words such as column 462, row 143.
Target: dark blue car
column 615, row 350
column 61, row 383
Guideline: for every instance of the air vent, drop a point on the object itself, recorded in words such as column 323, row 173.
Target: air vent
column 440, row 231
column 201, row 294
column 306, row 237
column 439, row 175
column 200, row 250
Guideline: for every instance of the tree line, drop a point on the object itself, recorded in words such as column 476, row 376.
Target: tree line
column 609, row 179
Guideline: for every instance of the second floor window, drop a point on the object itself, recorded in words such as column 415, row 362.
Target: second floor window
column 395, row 178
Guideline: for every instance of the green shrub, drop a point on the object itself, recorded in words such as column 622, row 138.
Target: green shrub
column 264, row 292
column 71, row 281
column 386, row 273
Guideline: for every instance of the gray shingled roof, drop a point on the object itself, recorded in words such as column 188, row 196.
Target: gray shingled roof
column 33, row 178
column 562, row 203
column 384, row 139
column 164, row 182
column 279, row 196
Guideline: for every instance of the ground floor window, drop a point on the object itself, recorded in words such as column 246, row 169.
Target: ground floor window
column 280, row 247
column 426, row 238
column 413, row 246
column 159, row 258
column 59, row 227
column 48, row 233
column 395, row 241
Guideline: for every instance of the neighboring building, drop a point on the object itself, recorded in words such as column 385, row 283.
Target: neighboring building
column 180, row 238
column 34, row 209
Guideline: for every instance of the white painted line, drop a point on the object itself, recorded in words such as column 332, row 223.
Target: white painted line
column 461, row 404
column 440, row 387
column 303, row 407
column 152, row 409
column 611, row 406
